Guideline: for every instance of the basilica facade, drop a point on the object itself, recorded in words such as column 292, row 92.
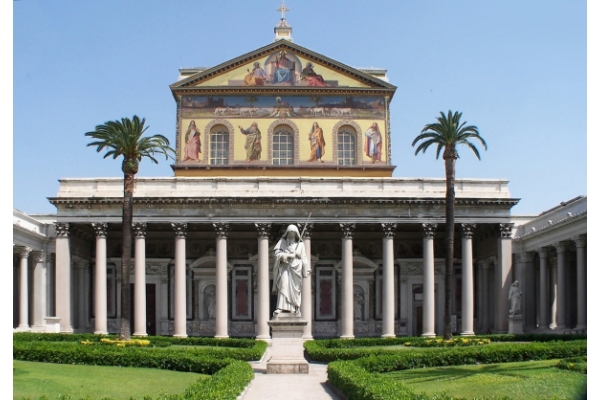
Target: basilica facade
column 283, row 135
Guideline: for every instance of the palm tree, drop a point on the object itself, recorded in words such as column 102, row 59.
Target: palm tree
column 447, row 133
column 124, row 138
column 316, row 99
column 251, row 99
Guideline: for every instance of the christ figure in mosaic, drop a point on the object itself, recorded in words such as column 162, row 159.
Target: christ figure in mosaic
column 291, row 265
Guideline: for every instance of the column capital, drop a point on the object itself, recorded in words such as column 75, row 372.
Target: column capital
column 180, row 229
column 348, row 229
column 525, row 257
column 222, row 229
column 468, row 230
column 140, row 229
column 37, row 256
column 100, row 229
column 506, row 230
column 23, row 251
column 264, row 229
column 580, row 240
column 389, row 229
column 79, row 262
column 542, row 252
column 307, row 228
column 62, row 229
column 560, row 247
column 429, row 230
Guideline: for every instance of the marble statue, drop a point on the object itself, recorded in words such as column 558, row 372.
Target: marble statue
column 514, row 296
column 291, row 265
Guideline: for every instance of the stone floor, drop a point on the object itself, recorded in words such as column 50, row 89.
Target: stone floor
column 288, row 386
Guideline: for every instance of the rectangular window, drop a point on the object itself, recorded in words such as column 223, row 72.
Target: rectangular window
column 325, row 304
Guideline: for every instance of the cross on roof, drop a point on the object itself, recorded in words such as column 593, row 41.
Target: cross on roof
column 283, row 9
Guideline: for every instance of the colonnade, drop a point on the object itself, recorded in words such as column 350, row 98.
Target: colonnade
column 551, row 303
column 63, row 280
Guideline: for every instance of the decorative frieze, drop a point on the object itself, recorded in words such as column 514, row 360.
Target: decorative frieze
column 468, row 230
column 505, row 230
column 222, row 229
column 62, row 229
column 429, row 230
column 140, row 229
column 264, row 229
column 389, row 229
column 100, row 229
column 348, row 230
column 180, row 229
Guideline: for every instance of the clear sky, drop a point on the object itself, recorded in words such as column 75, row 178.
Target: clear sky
column 516, row 69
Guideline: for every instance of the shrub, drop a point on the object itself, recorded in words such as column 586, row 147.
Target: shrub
column 578, row 364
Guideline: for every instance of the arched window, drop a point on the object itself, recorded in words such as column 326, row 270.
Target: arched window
column 283, row 146
column 219, row 145
column 346, row 146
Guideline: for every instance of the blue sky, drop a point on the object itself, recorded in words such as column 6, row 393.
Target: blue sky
column 516, row 69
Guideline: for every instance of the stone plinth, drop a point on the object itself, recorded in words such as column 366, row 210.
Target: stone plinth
column 515, row 324
column 287, row 352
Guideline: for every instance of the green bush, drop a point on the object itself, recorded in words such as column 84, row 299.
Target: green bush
column 360, row 379
column 578, row 364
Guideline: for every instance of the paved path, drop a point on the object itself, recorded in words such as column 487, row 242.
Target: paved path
column 288, row 386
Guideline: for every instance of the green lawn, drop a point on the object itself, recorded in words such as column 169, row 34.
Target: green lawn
column 31, row 380
column 530, row 380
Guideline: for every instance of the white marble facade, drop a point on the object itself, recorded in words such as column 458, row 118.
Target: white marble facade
column 546, row 254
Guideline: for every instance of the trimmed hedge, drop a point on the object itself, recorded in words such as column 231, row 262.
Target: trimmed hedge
column 228, row 380
column 360, row 379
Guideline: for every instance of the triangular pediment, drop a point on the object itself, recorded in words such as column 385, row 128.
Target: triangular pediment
column 282, row 64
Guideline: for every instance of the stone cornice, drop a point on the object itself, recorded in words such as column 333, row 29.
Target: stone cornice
column 560, row 224
column 272, row 200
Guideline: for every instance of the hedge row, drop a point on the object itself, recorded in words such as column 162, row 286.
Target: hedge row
column 360, row 379
column 154, row 340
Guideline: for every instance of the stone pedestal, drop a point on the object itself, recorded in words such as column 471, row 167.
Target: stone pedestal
column 515, row 324
column 287, row 352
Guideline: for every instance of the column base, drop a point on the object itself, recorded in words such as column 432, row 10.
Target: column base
column 347, row 337
column 467, row 333
column 307, row 337
column 22, row 329
column 100, row 332
column 181, row 336
column 221, row 336
column 388, row 336
column 266, row 338
column 68, row 330
column 428, row 335
column 38, row 328
column 143, row 334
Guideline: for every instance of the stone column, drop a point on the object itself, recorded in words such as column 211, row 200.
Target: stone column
column 526, row 279
column 428, row 281
column 503, row 274
column 100, row 301
column 467, row 279
column 347, row 281
column 262, row 311
column 553, row 293
column 180, row 286
column 560, row 283
column 63, row 277
column 39, row 291
column 543, row 301
column 139, row 295
column 306, row 295
column 483, row 295
column 388, row 306
column 221, row 323
column 23, row 289
column 580, row 242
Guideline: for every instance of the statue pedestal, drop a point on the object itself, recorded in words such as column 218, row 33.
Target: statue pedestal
column 287, row 351
column 515, row 324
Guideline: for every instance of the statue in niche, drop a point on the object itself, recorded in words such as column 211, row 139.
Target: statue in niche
column 291, row 265
column 211, row 305
column 514, row 296
column 359, row 302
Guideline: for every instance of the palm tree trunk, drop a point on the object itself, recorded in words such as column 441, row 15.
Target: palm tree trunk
column 125, row 332
column 450, row 171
